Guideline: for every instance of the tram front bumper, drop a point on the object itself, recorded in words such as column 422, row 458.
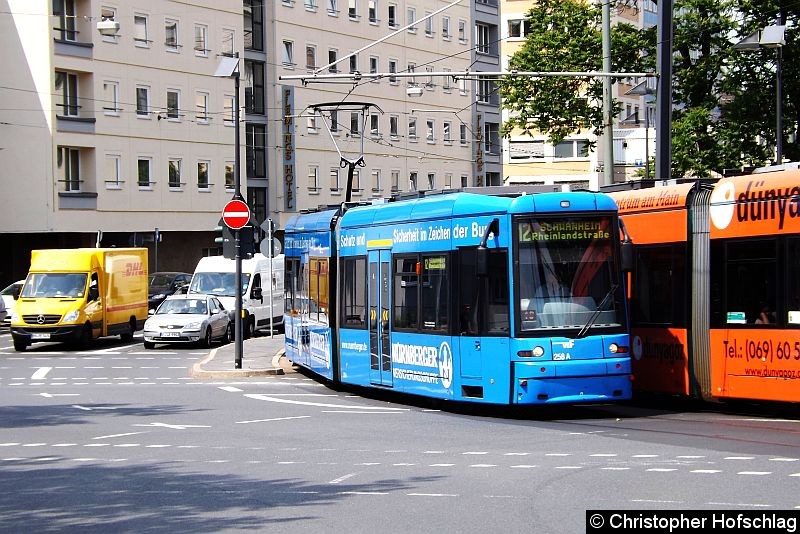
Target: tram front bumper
column 572, row 381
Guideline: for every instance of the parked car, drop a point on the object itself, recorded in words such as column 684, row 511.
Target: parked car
column 161, row 285
column 9, row 297
column 188, row 319
column 3, row 312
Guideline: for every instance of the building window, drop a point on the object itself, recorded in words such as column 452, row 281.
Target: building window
column 254, row 87
column 373, row 66
column 357, row 182
column 311, row 122
column 462, row 134
column 395, row 181
column 334, row 180
column 412, row 181
column 67, row 89
column 311, row 57
column 69, row 168
column 173, row 104
column 394, row 120
column 448, row 180
column 201, row 108
column 392, row 17
column 525, row 149
column 462, row 31
column 491, row 137
column 392, row 71
column 201, row 40
column 143, row 172
column 411, row 19
column 482, row 38
column 429, row 81
column 288, row 54
column 376, row 181
column 230, row 177
column 228, row 115
column 311, row 5
column 313, row 179
column 446, row 81
column 202, row 175
column 143, row 102
column 493, row 179
column 334, row 121
column 430, row 136
column 108, row 13
column 171, row 33
column 65, row 11
column 332, row 54
column 374, row 126
column 174, row 173
column 228, row 44
column 353, row 63
column 518, row 28
column 428, row 24
column 111, row 98
column 431, row 180
column 487, row 91
column 372, row 11
column 352, row 9
column 254, row 24
column 573, row 148
column 256, row 150
column 446, row 135
column 333, row 7
column 412, row 128
column 113, row 171
column 140, row 37
column 355, row 127
column 446, row 28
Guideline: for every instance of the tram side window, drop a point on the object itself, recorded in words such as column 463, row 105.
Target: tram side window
column 354, row 292
column 744, row 282
column 405, row 299
column 659, row 285
column 435, row 293
column 317, row 305
column 793, row 279
column 483, row 301
column 291, row 287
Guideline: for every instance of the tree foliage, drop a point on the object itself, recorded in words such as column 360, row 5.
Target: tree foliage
column 724, row 109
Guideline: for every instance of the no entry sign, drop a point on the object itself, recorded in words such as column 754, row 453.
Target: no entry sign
column 236, row 214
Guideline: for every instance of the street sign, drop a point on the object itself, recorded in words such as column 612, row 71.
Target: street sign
column 236, row 214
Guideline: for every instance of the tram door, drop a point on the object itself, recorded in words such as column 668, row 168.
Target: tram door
column 379, row 279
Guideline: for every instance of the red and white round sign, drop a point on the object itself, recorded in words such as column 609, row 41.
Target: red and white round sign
column 236, row 214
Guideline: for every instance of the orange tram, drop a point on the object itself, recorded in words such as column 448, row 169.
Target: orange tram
column 715, row 291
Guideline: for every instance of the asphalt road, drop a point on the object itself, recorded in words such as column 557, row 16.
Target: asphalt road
column 119, row 439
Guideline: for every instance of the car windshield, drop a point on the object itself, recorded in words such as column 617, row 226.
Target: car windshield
column 183, row 306
column 10, row 290
column 161, row 279
column 219, row 284
column 60, row 285
column 568, row 274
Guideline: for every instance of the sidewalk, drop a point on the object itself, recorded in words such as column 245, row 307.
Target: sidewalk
column 262, row 355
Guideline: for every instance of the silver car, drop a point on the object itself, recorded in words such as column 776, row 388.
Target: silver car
column 188, row 319
column 9, row 297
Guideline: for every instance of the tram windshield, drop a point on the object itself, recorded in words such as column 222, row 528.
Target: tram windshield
column 568, row 274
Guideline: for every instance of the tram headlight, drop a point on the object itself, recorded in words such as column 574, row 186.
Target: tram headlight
column 617, row 349
column 537, row 352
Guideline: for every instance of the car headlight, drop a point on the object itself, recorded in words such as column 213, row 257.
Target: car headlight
column 71, row 317
column 192, row 326
column 159, row 296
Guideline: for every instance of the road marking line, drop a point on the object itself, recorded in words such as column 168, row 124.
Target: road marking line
column 647, row 456
column 739, row 458
column 615, row 468
column 363, row 493
column 118, row 435
column 569, row 467
column 274, row 419
column 783, row 459
column 755, row 473
column 475, row 452
column 41, row 373
column 602, row 455
column 342, row 478
column 432, row 494
column 441, row 465
column 259, row 396
column 522, row 466
column 231, row 389
column 706, row 471
column 661, row 469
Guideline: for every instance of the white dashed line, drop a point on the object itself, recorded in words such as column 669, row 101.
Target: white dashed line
column 754, row 473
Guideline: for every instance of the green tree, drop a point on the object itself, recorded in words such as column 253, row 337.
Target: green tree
column 723, row 100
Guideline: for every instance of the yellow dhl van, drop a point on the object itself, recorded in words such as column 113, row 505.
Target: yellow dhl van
column 77, row 295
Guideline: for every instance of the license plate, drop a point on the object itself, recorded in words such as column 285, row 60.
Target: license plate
column 40, row 336
column 170, row 334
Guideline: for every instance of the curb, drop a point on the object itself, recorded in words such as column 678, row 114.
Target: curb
column 199, row 372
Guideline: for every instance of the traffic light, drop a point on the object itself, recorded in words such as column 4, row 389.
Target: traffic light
column 224, row 238
column 248, row 240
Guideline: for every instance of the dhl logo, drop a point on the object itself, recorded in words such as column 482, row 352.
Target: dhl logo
column 134, row 269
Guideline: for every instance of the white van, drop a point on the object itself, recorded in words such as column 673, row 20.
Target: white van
column 261, row 279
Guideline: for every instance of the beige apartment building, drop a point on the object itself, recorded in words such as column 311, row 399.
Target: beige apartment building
column 534, row 160
column 112, row 126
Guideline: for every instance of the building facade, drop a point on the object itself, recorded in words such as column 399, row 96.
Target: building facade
column 115, row 134
column 532, row 159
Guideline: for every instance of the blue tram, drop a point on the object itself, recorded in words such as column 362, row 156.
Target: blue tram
column 490, row 298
